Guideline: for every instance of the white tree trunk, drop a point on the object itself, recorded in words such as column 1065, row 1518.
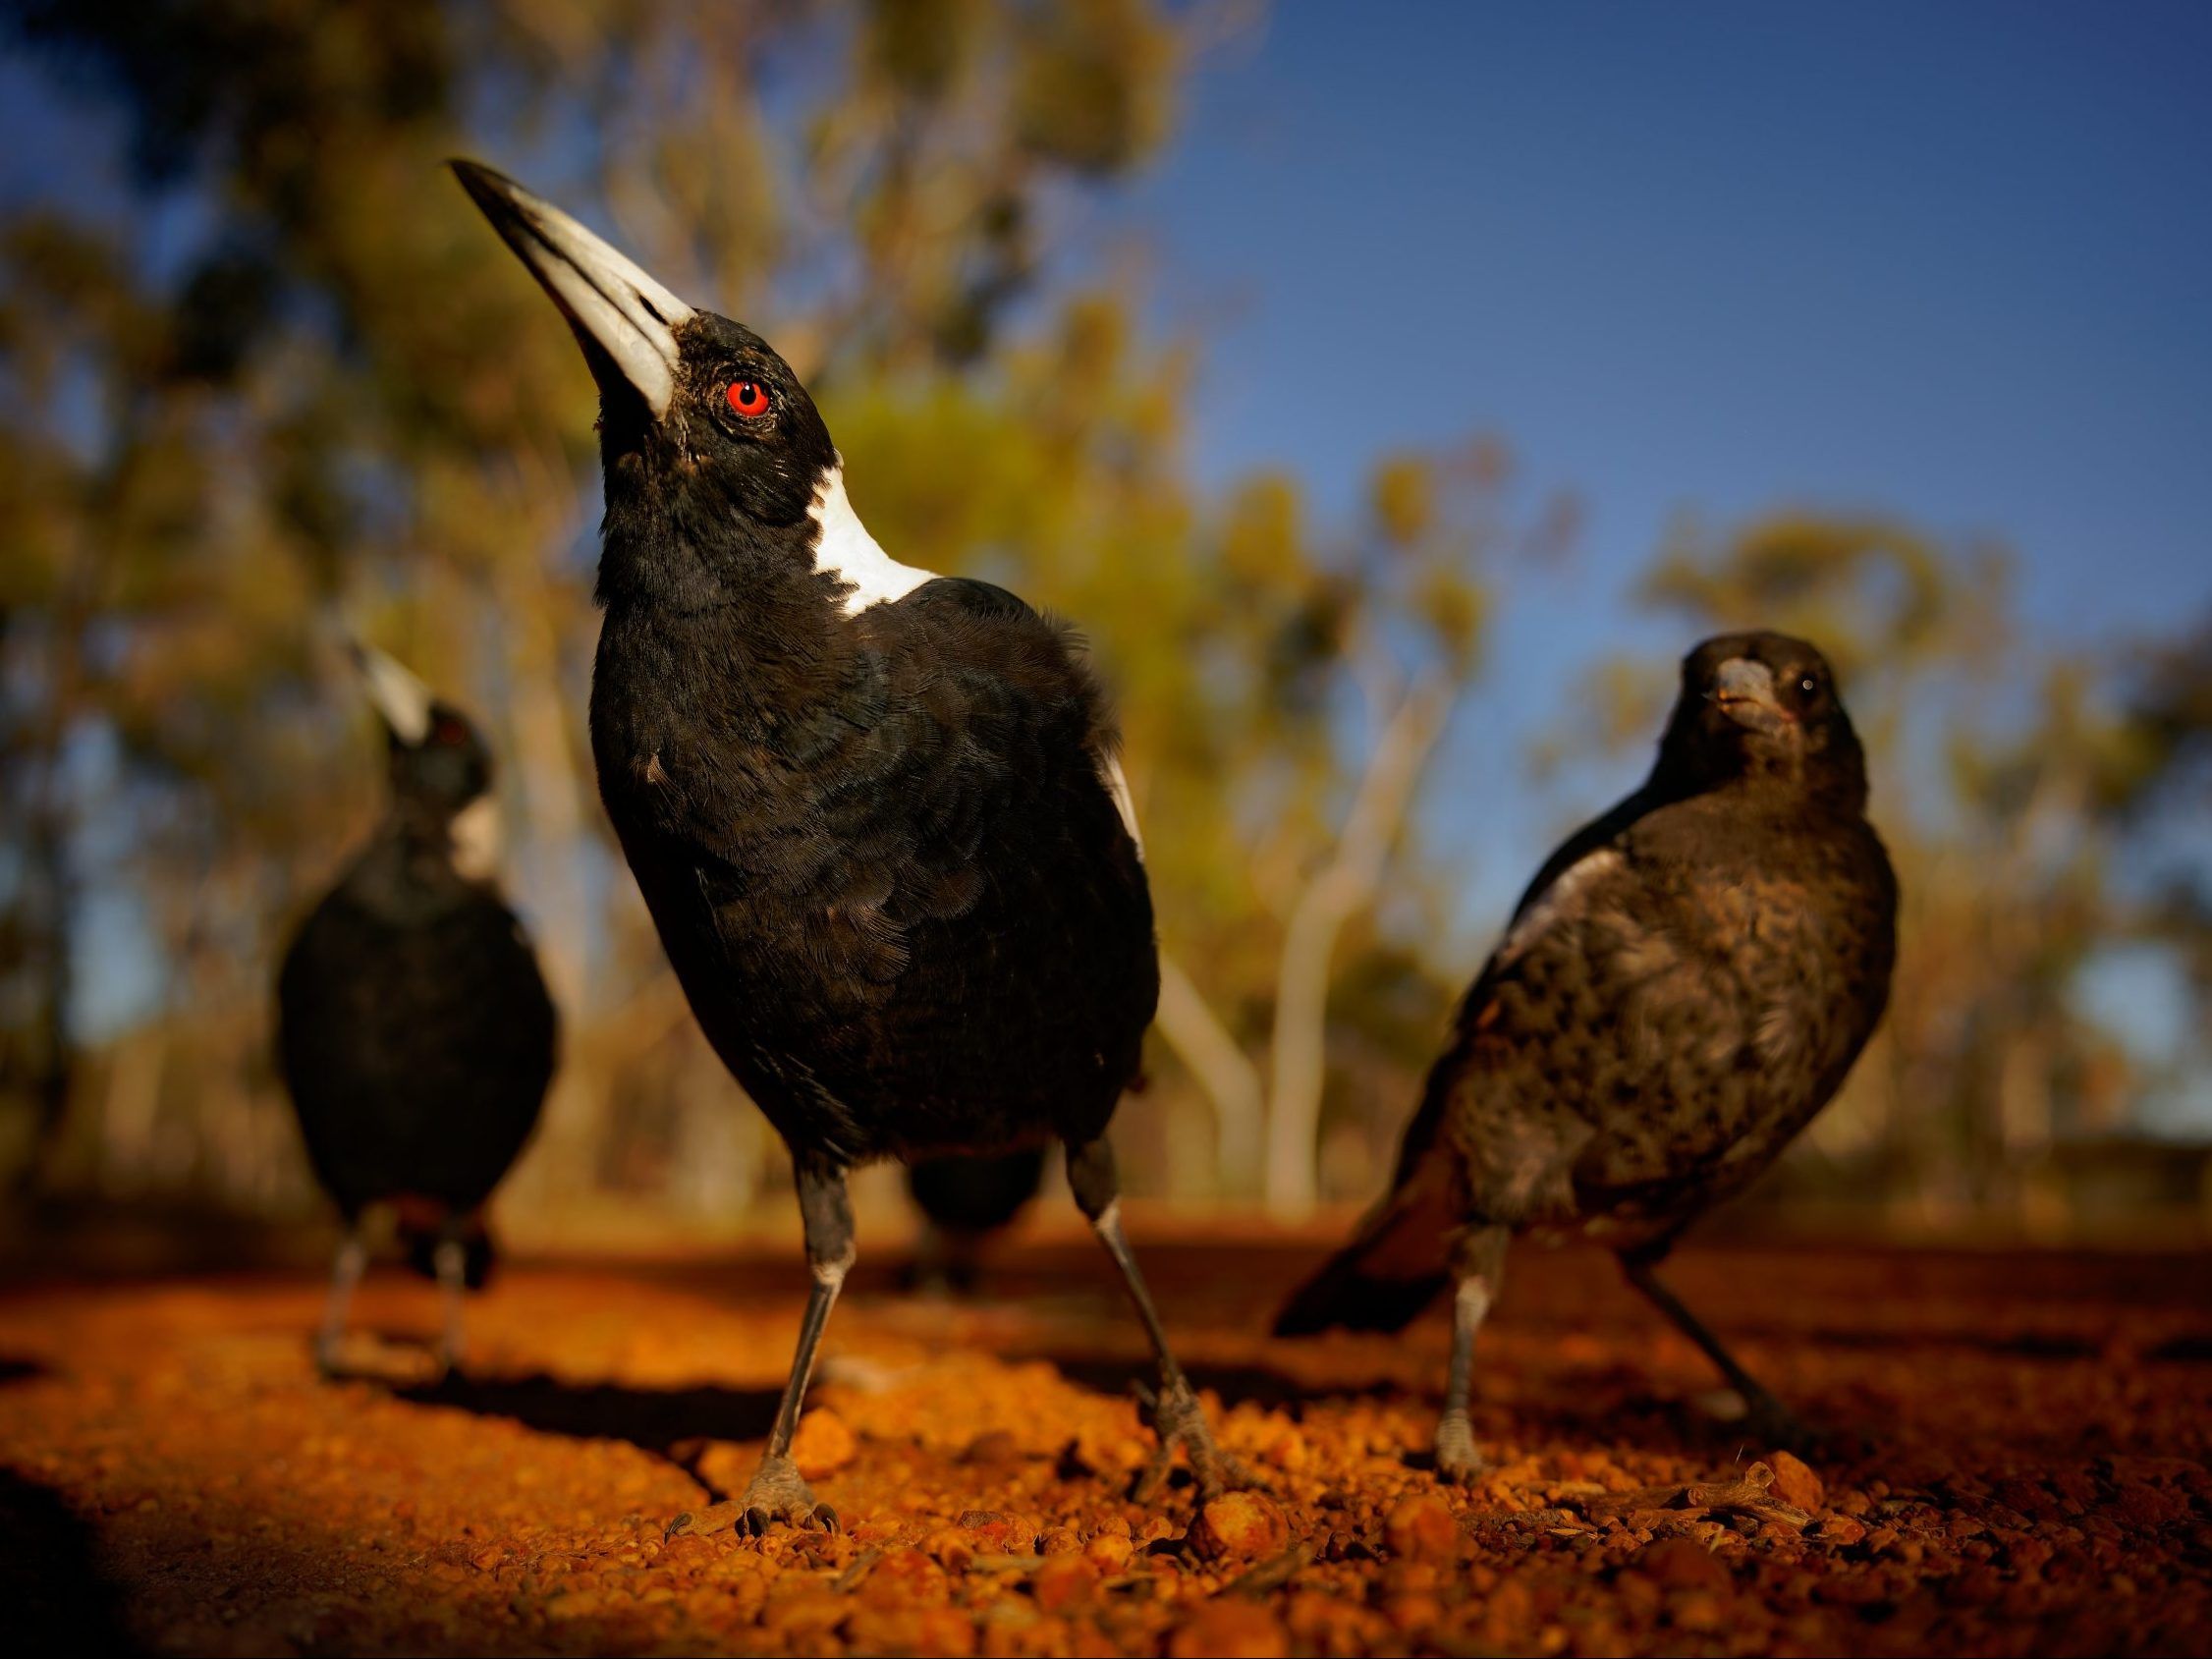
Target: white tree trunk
column 1343, row 885
column 1223, row 1069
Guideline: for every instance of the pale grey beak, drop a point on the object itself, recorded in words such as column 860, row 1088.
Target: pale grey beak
column 624, row 320
column 1745, row 690
column 401, row 700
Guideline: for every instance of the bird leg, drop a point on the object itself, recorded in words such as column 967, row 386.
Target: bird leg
column 345, row 1274
column 777, row 1492
column 450, row 1260
column 1176, row 1416
column 1766, row 1418
column 1480, row 1263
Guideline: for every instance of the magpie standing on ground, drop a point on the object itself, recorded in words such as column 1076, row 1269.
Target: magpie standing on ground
column 1685, row 984
column 875, row 813
column 414, row 1028
column 964, row 1201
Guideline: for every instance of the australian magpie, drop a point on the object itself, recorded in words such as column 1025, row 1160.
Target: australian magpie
column 413, row 1027
column 1685, row 984
column 875, row 813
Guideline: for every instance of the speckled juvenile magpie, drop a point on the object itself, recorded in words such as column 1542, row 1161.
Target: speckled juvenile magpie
column 962, row 1202
column 1684, row 985
column 875, row 813
column 413, row 1027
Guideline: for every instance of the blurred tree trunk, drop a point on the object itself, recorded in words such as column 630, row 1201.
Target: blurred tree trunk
column 1346, row 884
column 49, row 905
column 1230, row 1082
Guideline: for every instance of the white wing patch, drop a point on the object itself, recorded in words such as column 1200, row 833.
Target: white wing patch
column 1557, row 901
column 1117, row 785
column 475, row 834
column 844, row 548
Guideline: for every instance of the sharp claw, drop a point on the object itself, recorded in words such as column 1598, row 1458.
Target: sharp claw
column 828, row 1517
column 682, row 1524
column 757, row 1520
column 1458, row 1457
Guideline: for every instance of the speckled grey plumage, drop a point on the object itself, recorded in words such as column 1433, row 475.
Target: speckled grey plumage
column 1684, row 985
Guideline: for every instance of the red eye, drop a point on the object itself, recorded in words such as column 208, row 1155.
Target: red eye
column 748, row 398
column 449, row 732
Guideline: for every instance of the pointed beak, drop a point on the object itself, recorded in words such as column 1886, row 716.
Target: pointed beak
column 623, row 319
column 401, row 700
column 1745, row 690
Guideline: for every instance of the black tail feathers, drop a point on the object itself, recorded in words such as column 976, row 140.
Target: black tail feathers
column 476, row 1262
column 1344, row 1293
column 1395, row 1266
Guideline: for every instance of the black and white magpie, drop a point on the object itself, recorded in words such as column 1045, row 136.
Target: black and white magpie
column 1685, row 983
column 875, row 813
column 414, row 1028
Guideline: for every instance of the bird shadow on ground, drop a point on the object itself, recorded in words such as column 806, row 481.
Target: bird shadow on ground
column 666, row 1423
column 58, row 1598
column 1607, row 1406
column 1262, row 1386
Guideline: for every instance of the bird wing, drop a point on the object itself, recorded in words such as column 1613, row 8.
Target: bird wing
column 966, row 777
column 1515, row 1137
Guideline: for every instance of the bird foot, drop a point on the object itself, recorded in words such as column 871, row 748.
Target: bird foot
column 775, row 1494
column 1457, row 1459
column 445, row 1360
column 1761, row 1420
column 1777, row 1428
column 1178, row 1420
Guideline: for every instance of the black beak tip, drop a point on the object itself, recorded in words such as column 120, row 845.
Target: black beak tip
column 490, row 188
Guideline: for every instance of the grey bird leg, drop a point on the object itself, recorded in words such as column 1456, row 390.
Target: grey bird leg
column 1480, row 1265
column 345, row 1274
column 777, row 1493
column 1766, row 1418
column 450, row 1260
column 1176, row 1416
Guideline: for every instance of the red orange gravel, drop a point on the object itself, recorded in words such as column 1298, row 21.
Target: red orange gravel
column 2021, row 1466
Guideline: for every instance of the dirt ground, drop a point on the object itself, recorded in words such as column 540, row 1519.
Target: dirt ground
column 2019, row 1464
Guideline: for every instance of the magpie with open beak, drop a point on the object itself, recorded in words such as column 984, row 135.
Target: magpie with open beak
column 414, row 1028
column 1684, row 987
column 875, row 813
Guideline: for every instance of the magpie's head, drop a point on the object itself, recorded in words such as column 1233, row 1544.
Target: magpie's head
column 440, row 768
column 1762, row 706
column 700, row 418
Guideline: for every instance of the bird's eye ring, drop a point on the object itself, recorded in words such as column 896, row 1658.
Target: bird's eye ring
column 748, row 398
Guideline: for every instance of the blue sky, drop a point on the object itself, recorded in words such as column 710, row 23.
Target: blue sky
column 1953, row 260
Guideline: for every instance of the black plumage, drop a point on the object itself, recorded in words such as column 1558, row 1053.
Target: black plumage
column 413, row 1027
column 964, row 1200
column 876, row 814
column 1683, row 987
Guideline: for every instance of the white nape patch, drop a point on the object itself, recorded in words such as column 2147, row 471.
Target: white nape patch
column 1557, row 901
column 844, row 548
column 1117, row 785
column 475, row 835
column 400, row 697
